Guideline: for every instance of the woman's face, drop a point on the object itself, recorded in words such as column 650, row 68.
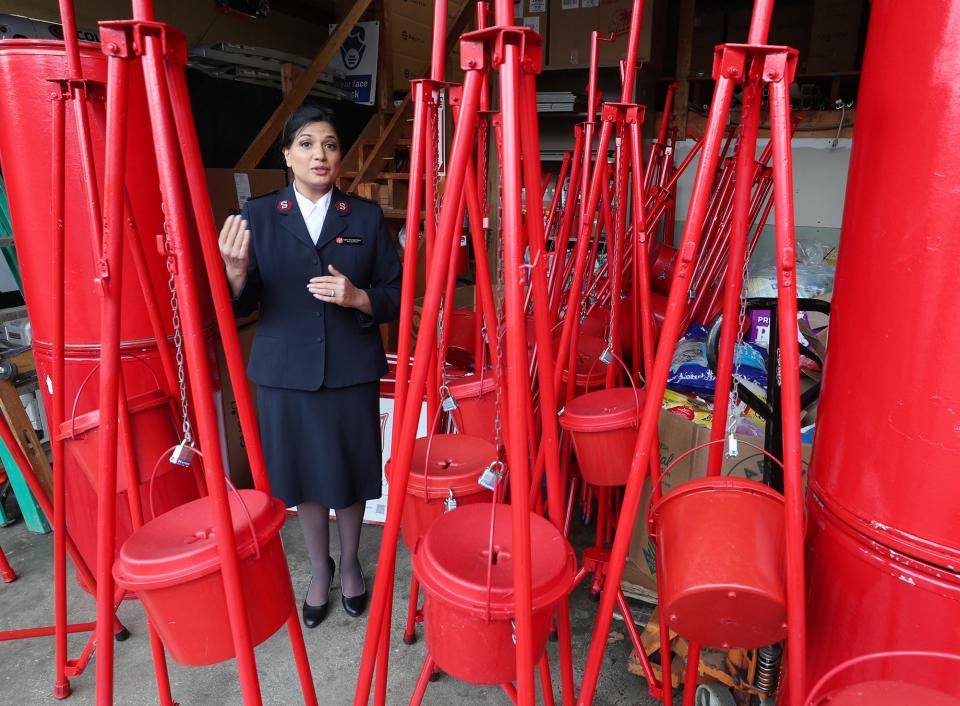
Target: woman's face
column 314, row 157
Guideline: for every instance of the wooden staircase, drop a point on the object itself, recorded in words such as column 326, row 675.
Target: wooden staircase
column 377, row 166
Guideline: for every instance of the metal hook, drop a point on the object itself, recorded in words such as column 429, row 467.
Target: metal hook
column 841, row 106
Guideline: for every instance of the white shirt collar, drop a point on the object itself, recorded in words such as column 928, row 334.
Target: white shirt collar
column 314, row 212
column 307, row 206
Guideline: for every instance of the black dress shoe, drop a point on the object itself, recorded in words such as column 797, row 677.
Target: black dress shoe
column 313, row 615
column 354, row 605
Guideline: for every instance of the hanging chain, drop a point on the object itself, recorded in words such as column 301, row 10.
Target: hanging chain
column 435, row 140
column 613, row 252
column 177, row 334
column 499, row 304
column 435, row 177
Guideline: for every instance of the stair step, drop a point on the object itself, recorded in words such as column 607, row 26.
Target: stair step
column 402, row 142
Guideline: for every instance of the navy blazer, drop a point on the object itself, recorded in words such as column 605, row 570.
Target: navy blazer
column 301, row 342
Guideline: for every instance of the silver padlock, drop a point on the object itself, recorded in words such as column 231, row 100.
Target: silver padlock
column 491, row 476
column 450, row 502
column 732, row 446
column 183, row 454
column 607, row 356
column 449, row 404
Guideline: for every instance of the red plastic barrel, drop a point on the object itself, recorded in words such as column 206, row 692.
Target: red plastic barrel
column 26, row 139
column 456, row 462
column 462, row 339
column 661, row 271
column 26, row 148
column 477, row 404
column 916, row 604
column 151, row 420
column 174, row 566
column 884, row 546
column 468, row 622
column 721, row 551
column 591, row 373
column 891, row 679
column 603, row 425
column 887, row 448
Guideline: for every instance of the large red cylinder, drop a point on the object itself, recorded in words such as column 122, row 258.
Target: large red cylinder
column 26, row 151
column 887, row 451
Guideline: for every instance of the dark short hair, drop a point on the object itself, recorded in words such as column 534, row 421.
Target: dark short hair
column 304, row 115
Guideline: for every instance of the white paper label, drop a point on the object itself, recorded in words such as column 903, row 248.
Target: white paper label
column 569, row 4
column 533, row 23
column 591, row 3
column 538, row 6
column 241, row 181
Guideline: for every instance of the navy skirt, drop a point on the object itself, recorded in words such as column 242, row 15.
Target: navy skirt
column 322, row 446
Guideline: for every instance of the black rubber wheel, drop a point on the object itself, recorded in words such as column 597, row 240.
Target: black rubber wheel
column 8, row 370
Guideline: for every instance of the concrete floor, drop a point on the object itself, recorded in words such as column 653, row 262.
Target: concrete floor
column 26, row 666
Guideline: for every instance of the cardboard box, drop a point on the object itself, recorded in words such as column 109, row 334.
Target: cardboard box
column 405, row 68
column 238, row 465
column 229, row 189
column 571, row 22
column 677, row 435
column 835, row 36
column 420, row 10
column 410, row 36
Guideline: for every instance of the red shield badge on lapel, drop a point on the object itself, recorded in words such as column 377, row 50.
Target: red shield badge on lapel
column 284, row 205
column 343, row 208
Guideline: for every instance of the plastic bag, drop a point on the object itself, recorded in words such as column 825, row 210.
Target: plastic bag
column 689, row 371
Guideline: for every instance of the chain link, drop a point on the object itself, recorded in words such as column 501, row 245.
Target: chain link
column 741, row 317
column 435, row 178
column 177, row 334
column 612, row 244
column 435, row 140
column 499, row 305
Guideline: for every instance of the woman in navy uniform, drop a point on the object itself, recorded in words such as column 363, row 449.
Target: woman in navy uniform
column 323, row 269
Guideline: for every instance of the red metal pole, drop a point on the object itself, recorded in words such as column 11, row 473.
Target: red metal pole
column 193, row 166
column 421, row 93
column 143, row 10
column 633, row 46
column 657, row 382
column 580, row 258
column 517, row 381
column 45, row 631
column 779, row 74
column 550, row 441
column 134, row 504
column 61, row 688
column 760, row 21
column 438, row 53
column 615, row 257
column 110, row 282
column 430, row 230
column 744, row 179
column 570, row 210
column 426, row 340
column 177, row 221
column 7, row 574
column 150, row 297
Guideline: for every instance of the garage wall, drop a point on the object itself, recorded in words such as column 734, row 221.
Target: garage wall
column 819, row 186
column 196, row 18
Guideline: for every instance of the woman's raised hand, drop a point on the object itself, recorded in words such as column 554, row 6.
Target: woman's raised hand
column 235, row 250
